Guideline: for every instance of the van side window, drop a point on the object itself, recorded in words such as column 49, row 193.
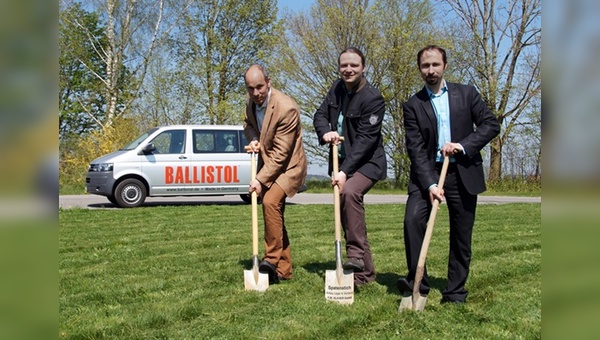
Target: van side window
column 243, row 141
column 204, row 141
column 169, row 142
column 217, row 141
column 227, row 141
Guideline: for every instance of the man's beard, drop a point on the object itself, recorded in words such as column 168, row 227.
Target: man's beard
column 432, row 80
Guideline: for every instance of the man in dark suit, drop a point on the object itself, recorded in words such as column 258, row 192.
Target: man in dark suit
column 272, row 125
column 444, row 119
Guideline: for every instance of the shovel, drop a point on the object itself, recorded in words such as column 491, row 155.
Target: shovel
column 416, row 301
column 339, row 283
column 253, row 279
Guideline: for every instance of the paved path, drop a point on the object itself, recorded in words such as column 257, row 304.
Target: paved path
column 95, row 201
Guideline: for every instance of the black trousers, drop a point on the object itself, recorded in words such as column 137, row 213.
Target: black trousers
column 461, row 208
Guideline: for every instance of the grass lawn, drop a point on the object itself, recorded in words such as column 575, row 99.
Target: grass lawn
column 177, row 272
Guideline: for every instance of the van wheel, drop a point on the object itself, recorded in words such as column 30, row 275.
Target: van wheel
column 130, row 193
column 112, row 199
column 248, row 199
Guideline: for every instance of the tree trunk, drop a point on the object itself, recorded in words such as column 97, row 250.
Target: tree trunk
column 538, row 163
column 111, row 72
column 495, row 160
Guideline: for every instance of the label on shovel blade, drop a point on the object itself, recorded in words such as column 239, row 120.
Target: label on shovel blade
column 340, row 292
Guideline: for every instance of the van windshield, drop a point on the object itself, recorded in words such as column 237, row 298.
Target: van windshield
column 138, row 140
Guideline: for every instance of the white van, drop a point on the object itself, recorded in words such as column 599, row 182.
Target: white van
column 175, row 160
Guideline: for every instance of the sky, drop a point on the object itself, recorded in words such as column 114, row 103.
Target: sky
column 294, row 5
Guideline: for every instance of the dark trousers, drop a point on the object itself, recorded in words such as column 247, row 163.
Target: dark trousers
column 277, row 244
column 354, row 225
column 461, row 209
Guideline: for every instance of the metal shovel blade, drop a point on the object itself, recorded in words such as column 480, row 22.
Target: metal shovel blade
column 407, row 302
column 255, row 280
column 251, row 282
column 339, row 286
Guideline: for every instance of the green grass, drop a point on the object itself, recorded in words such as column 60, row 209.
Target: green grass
column 71, row 189
column 506, row 187
column 177, row 272
column 526, row 192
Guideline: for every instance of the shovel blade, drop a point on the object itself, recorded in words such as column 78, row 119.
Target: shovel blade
column 250, row 283
column 407, row 302
column 342, row 290
column 419, row 305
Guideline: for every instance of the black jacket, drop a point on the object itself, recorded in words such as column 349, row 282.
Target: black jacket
column 363, row 142
column 472, row 125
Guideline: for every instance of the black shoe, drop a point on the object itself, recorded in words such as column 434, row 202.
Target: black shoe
column 354, row 264
column 405, row 286
column 445, row 299
column 266, row 267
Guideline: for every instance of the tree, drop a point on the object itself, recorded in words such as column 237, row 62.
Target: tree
column 404, row 27
column 523, row 150
column 215, row 43
column 307, row 57
column 80, row 92
column 500, row 52
column 133, row 29
column 389, row 32
column 168, row 96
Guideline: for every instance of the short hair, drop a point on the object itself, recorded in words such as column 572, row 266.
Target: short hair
column 432, row 48
column 261, row 68
column 353, row 50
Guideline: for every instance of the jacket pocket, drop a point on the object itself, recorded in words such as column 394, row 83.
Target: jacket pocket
column 352, row 113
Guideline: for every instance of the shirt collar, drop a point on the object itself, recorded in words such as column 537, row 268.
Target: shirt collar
column 444, row 90
column 266, row 102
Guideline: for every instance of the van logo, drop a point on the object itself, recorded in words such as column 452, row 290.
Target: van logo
column 201, row 174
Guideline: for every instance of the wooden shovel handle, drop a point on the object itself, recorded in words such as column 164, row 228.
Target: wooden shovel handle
column 425, row 247
column 336, row 193
column 254, row 199
column 254, row 206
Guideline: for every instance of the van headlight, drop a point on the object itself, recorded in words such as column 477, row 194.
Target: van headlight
column 101, row 167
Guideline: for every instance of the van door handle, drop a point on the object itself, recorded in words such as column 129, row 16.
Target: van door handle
column 182, row 157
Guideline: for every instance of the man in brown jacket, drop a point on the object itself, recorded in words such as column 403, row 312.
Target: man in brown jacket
column 272, row 125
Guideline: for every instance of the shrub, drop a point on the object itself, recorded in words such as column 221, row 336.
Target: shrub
column 74, row 163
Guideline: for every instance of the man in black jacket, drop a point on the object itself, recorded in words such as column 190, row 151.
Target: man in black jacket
column 354, row 109
column 444, row 119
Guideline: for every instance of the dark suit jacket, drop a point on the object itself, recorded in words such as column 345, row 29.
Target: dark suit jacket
column 472, row 125
column 363, row 142
column 282, row 159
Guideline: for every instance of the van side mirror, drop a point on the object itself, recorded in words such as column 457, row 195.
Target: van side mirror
column 148, row 149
